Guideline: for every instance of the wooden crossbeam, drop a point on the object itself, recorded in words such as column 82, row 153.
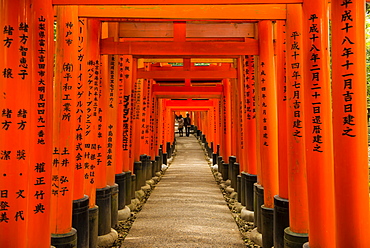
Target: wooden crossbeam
column 189, row 103
column 250, row 47
column 187, row 91
column 172, row 74
column 187, row 12
column 160, row 2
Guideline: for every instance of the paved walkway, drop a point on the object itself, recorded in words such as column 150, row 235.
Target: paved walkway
column 186, row 209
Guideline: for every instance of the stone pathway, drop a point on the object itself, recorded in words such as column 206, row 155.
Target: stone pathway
column 186, row 209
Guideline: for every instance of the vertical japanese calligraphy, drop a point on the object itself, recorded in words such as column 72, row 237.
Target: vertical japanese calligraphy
column 350, row 135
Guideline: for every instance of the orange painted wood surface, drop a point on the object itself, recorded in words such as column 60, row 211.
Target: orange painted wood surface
column 318, row 114
column 15, row 132
column 250, row 134
column 65, row 97
column 78, row 187
column 296, row 160
column 198, row 12
column 160, row 2
column 216, row 74
column 41, row 125
column 350, row 135
column 92, row 159
column 268, row 107
column 282, row 108
column 250, row 46
column 126, row 110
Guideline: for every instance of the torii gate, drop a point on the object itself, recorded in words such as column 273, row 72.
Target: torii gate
column 55, row 153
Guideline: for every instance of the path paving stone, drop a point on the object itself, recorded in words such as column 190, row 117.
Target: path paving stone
column 186, row 209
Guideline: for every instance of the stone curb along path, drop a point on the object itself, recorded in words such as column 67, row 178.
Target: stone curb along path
column 186, row 209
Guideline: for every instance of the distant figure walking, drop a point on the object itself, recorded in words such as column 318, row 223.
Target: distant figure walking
column 187, row 124
column 180, row 121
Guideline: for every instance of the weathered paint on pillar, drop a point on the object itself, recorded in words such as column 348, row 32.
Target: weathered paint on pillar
column 16, row 123
column 282, row 111
column 65, row 92
column 268, row 135
column 78, row 191
column 250, row 112
column 227, row 118
column 126, row 110
column 350, row 124
column 92, row 157
column 298, row 205
column 41, row 124
column 318, row 122
column 241, row 114
column 101, row 168
column 111, row 88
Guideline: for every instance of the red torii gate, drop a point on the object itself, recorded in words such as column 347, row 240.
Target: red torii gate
column 349, row 106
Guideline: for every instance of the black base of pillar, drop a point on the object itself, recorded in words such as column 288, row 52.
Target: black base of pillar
column 138, row 170
column 164, row 158
column 65, row 240
column 281, row 220
column 128, row 188
column 133, row 186
column 258, row 194
column 80, row 221
column 158, row 165
column 225, row 171
column 104, row 202
column 243, row 188
column 93, row 226
column 249, row 191
column 267, row 220
column 239, row 187
column 294, row 240
column 114, row 205
column 214, row 158
column 168, row 150
column 121, row 182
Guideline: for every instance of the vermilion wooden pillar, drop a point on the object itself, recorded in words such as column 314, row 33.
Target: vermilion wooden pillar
column 92, row 158
column 227, row 119
column 41, row 124
column 268, row 135
column 318, row 114
column 350, row 124
column 78, row 191
column 241, row 114
column 126, row 110
column 298, row 205
column 65, row 92
column 282, row 108
column 250, row 122
column 281, row 203
column 137, row 125
column 16, row 124
column 268, row 128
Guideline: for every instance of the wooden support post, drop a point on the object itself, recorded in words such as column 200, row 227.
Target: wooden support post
column 318, row 123
column 298, row 205
column 250, row 122
column 126, row 111
column 65, row 97
column 281, row 203
column 92, row 157
column 350, row 124
column 227, row 118
column 268, row 117
column 268, row 128
column 282, row 108
column 41, row 125
column 241, row 114
column 15, row 132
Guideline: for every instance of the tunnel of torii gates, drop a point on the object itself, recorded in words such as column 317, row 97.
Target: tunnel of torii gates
column 85, row 109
